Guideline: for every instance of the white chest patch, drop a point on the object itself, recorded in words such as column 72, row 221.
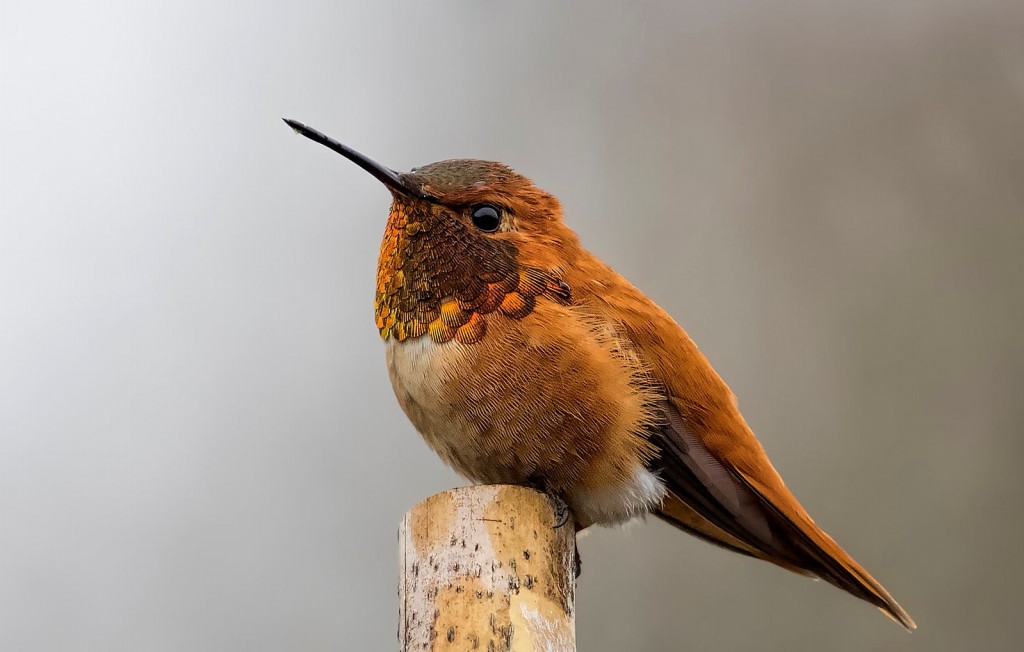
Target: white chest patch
column 412, row 360
column 418, row 369
column 414, row 367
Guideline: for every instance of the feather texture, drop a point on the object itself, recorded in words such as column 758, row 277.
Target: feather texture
column 521, row 357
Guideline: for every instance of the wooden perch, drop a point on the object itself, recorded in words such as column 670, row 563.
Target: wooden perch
column 484, row 568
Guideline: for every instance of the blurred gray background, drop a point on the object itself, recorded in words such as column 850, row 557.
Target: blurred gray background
column 199, row 447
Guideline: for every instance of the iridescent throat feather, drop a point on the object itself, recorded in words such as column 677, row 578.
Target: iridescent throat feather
column 437, row 277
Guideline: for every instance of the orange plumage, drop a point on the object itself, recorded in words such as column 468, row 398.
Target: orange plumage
column 522, row 358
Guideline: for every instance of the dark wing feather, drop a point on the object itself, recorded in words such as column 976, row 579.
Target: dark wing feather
column 734, row 503
column 701, row 481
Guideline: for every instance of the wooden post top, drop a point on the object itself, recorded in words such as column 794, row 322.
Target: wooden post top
column 484, row 568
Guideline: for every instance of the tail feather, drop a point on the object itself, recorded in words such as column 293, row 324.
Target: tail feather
column 741, row 503
column 831, row 562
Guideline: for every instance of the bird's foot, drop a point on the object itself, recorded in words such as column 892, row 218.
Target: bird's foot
column 562, row 517
column 562, row 512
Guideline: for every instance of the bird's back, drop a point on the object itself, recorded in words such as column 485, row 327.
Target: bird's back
column 722, row 486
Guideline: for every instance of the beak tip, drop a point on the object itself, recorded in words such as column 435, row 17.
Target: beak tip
column 390, row 178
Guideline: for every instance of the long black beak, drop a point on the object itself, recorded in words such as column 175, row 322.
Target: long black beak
column 385, row 175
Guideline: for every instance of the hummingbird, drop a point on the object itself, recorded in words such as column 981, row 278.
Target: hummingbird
column 522, row 358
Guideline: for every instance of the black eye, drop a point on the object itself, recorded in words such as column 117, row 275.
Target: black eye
column 486, row 218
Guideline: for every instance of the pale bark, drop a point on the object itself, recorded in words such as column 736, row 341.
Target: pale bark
column 485, row 568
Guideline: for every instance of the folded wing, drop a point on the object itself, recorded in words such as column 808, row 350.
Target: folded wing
column 752, row 512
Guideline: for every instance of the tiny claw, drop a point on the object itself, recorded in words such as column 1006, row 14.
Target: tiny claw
column 562, row 512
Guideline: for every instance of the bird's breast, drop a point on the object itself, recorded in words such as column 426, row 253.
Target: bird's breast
column 554, row 400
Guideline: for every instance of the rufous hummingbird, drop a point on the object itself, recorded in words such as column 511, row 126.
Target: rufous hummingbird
column 521, row 358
